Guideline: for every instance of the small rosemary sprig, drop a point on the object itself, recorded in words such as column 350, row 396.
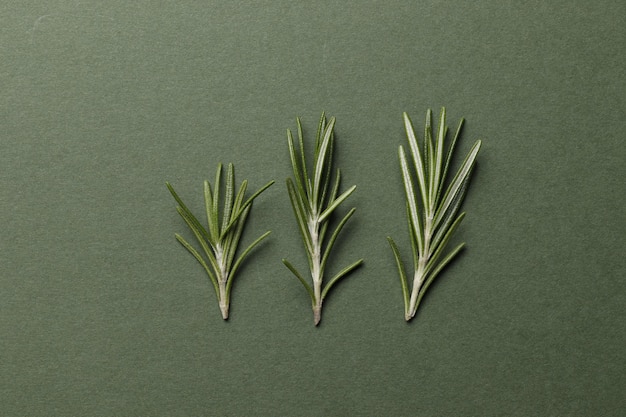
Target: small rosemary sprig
column 313, row 203
column 219, row 242
column 432, row 209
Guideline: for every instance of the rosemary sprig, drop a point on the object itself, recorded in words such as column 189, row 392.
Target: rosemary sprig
column 432, row 209
column 219, row 242
column 313, row 202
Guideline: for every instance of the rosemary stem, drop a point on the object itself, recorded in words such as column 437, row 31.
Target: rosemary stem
column 417, row 283
column 317, row 313
column 222, row 280
column 418, row 279
column 223, row 300
column 316, row 273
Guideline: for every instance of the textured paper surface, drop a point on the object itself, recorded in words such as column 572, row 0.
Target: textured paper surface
column 103, row 313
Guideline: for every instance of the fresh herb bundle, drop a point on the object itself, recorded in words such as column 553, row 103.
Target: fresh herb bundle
column 219, row 242
column 432, row 208
column 314, row 201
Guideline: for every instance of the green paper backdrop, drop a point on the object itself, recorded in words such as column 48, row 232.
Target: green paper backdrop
column 102, row 313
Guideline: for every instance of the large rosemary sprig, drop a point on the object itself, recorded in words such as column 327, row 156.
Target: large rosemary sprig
column 313, row 202
column 432, row 208
column 219, row 242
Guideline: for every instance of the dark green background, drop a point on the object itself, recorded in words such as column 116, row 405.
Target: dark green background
column 102, row 313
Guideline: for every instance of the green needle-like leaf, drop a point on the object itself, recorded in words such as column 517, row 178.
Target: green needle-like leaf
column 302, row 280
column 435, row 273
column 255, row 195
column 204, row 243
column 202, row 262
column 449, row 158
column 249, row 201
column 229, row 195
column 401, row 272
column 420, row 166
column 336, row 204
column 331, row 197
column 220, row 246
column 444, row 242
column 450, row 215
column 320, row 161
column 305, row 176
column 301, row 215
column 243, row 256
column 184, row 208
column 298, row 180
column 314, row 203
column 211, row 212
column 412, row 201
column 438, row 157
column 333, row 238
column 414, row 247
column 340, row 275
column 432, row 219
column 231, row 241
column 216, row 198
column 457, row 183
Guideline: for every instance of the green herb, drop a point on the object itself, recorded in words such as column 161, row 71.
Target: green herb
column 219, row 242
column 313, row 202
column 432, row 209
